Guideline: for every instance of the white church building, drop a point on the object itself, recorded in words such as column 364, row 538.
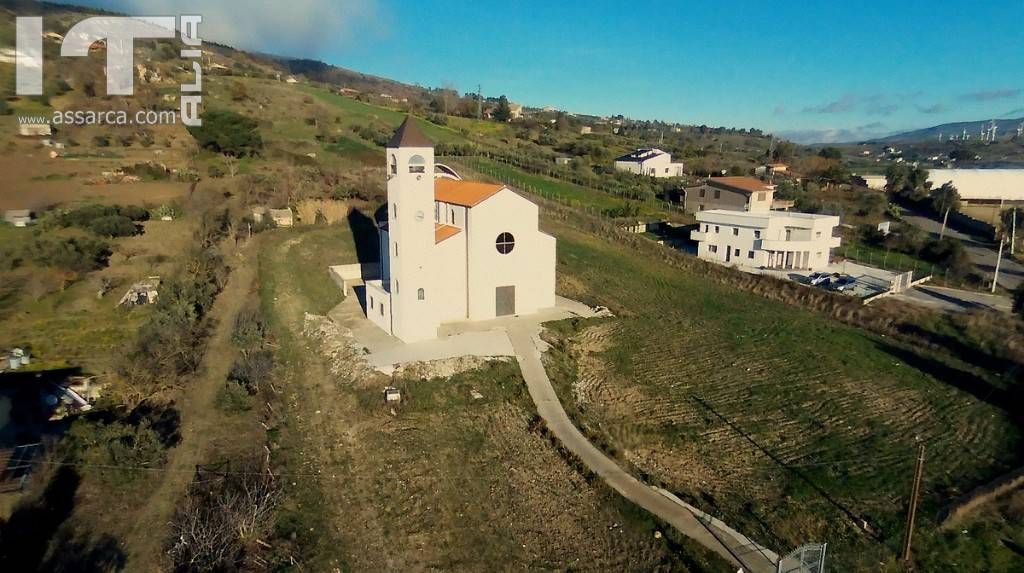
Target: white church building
column 453, row 250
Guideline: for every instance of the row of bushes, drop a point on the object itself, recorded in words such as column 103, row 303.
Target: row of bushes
column 74, row 254
column 908, row 239
column 104, row 220
column 171, row 343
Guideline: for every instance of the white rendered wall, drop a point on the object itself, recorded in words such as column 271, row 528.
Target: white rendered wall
column 530, row 267
column 411, row 243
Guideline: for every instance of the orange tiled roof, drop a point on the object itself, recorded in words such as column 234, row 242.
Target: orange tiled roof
column 744, row 184
column 442, row 232
column 465, row 193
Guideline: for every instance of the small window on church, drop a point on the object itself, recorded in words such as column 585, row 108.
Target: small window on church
column 505, row 243
column 394, row 165
column 394, row 209
column 421, row 294
column 417, row 164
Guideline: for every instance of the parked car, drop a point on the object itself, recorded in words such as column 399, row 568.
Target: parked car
column 844, row 282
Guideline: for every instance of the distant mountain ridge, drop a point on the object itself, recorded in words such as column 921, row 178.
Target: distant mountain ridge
column 1003, row 126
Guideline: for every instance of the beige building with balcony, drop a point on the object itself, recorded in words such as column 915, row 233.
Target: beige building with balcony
column 732, row 193
column 768, row 239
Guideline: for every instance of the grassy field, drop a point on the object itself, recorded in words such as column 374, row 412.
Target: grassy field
column 357, row 112
column 443, row 482
column 62, row 320
column 789, row 426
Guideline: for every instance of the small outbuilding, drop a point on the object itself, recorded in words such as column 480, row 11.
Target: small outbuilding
column 18, row 217
column 34, row 129
column 143, row 292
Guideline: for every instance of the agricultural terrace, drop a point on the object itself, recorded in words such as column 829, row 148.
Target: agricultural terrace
column 791, row 427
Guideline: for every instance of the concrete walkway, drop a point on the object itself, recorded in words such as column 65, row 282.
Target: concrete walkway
column 520, row 336
column 706, row 530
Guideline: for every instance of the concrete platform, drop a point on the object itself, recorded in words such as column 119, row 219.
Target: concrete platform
column 481, row 339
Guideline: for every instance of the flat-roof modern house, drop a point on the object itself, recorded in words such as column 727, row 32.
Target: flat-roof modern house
column 767, row 239
column 650, row 162
column 453, row 250
column 732, row 193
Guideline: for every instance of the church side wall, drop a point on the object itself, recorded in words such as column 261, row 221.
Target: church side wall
column 448, row 298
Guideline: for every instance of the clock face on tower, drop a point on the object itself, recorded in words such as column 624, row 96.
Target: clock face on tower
column 419, row 215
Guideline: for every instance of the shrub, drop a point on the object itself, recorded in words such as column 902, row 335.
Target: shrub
column 95, row 443
column 149, row 171
column 72, row 253
column 113, row 226
column 233, row 398
column 221, row 515
column 251, row 369
column 949, row 253
column 229, row 133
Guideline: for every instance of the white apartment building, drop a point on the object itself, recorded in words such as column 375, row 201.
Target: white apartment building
column 650, row 162
column 770, row 239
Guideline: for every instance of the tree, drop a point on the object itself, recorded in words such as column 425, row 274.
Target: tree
column 784, row 151
column 908, row 182
column 871, row 205
column 562, row 122
column 1011, row 219
column 831, row 153
column 229, row 133
column 945, row 199
column 503, row 111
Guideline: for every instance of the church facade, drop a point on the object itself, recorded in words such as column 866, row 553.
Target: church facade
column 453, row 250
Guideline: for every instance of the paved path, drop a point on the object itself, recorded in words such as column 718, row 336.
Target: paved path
column 705, row 530
column 982, row 253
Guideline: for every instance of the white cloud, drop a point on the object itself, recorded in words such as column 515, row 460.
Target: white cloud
column 837, row 135
column 288, row 28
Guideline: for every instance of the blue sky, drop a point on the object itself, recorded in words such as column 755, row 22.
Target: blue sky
column 815, row 71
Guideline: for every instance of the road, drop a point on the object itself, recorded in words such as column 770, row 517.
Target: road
column 954, row 300
column 983, row 254
column 706, row 530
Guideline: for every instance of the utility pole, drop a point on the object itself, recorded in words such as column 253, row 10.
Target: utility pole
column 999, row 259
column 479, row 102
column 915, row 494
column 945, row 218
column 1013, row 231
